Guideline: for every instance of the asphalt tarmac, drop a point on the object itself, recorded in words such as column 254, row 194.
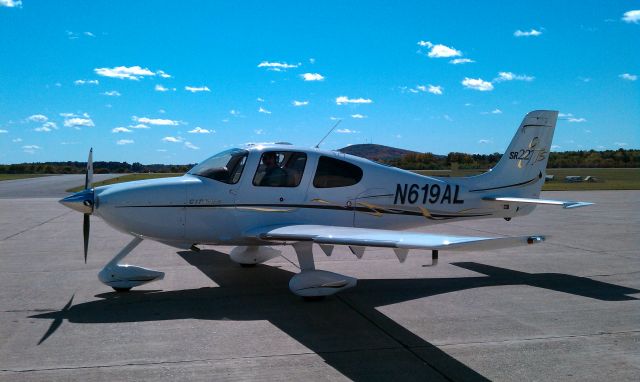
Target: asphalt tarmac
column 567, row 309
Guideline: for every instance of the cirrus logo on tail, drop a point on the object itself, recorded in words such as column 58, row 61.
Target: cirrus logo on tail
column 530, row 155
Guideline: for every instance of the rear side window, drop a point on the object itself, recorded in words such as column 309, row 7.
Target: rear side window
column 333, row 172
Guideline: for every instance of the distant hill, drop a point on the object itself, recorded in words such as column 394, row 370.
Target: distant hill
column 375, row 152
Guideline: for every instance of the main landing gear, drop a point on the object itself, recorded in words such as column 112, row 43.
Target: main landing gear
column 123, row 277
column 312, row 284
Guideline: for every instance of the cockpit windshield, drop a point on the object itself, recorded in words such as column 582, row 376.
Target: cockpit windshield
column 224, row 167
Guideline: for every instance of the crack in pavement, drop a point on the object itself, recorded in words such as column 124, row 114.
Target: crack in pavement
column 197, row 360
column 570, row 336
column 35, row 226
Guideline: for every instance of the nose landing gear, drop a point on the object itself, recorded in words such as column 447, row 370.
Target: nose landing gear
column 123, row 277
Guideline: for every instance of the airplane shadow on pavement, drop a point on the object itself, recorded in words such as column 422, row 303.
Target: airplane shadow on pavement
column 346, row 330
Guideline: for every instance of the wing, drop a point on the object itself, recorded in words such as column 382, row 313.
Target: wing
column 563, row 203
column 400, row 241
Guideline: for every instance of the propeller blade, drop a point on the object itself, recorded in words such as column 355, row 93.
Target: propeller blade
column 85, row 230
column 88, row 177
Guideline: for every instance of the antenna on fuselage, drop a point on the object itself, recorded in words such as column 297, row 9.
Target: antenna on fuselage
column 326, row 135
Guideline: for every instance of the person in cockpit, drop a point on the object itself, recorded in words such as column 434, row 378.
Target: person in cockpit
column 274, row 175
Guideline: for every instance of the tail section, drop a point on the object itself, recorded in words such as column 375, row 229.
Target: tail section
column 521, row 170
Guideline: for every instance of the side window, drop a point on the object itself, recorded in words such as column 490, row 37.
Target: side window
column 333, row 172
column 280, row 169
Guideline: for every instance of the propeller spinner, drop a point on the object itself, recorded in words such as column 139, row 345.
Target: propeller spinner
column 83, row 202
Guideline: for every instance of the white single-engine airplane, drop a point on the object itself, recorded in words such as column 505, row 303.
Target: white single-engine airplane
column 278, row 194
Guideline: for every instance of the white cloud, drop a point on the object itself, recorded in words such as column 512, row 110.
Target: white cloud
column 196, row 89
column 509, row 76
column 628, row 77
column 277, row 66
column 46, row 127
column 112, row 93
column 77, row 121
column 300, row 103
column 458, row 61
column 11, row 3
column 16, row 140
column 484, row 141
column 2, row 131
column 191, row 146
column 263, row 110
column 621, row 144
column 234, row 112
column 447, row 117
column 477, row 84
column 564, row 115
column 530, row 33
column 155, row 121
column 139, row 126
column 163, row 74
column 358, row 116
column 631, row 16
column 259, row 132
column 172, row 139
column 344, row 99
column 122, row 72
column 31, row 149
column 160, row 88
column 121, row 130
column 346, row 131
column 576, row 120
column 312, row 77
column 433, row 89
column 200, row 130
column 86, row 82
column 439, row 50
column 496, row 111
column 89, row 34
column 37, row 118
column 124, row 142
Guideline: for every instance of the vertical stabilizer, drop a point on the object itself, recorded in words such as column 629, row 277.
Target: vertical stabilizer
column 521, row 170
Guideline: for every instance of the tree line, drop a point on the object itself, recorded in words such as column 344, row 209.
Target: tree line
column 98, row 168
column 620, row 158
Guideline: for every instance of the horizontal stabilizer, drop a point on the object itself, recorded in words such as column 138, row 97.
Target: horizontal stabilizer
column 359, row 238
column 563, row 203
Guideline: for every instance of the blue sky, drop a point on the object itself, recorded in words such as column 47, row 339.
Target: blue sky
column 175, row 82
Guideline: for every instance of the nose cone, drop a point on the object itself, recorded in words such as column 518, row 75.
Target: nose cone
column 81, row 201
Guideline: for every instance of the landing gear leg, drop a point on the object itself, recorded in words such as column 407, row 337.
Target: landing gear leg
column 312, row 284
column 123, row 277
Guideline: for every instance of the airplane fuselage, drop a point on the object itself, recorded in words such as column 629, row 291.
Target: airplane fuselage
column 196, row 209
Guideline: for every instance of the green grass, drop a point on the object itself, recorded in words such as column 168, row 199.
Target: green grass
column 20, row 176
column 610, row 178
column 126, row 178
